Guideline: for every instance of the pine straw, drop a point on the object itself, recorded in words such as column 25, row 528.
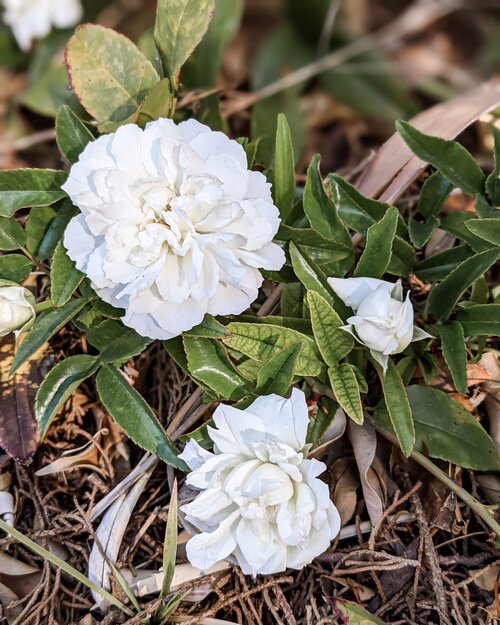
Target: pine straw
column 414, row 572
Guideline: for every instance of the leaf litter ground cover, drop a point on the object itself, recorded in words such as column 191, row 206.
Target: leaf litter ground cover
column 407, row 429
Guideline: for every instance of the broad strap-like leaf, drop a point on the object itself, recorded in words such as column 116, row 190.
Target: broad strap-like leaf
column 179, row 28
column 454, row 352
column 378, row 248
column 116, row 342
column 333, row 342
column 448, row 157
column 444, row 296
column 134, row 416
column 23, row 188
column 345, row 387
column 437, row 267
column 487, row 229
column 276, row 375
column 72, row 135
column 398, row 406
column 480, row 320
column 284, row 168
column 60, row 384
column 65, row 277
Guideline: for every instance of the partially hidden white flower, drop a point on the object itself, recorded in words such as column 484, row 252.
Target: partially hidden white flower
column 34, row 19
column 172, row 226
column 261, row 501
column 383, row 321
column 16, row 307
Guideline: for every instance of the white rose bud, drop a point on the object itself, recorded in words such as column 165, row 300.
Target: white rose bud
column 261, row 502
column 383, row 320
column 34, row 19
column 16, row 307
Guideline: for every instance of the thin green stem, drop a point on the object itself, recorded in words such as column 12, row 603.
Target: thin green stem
column 41, row 306
column 64, row 566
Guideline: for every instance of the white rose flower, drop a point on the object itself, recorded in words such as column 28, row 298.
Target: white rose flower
column 16, row 307
column 261, row 501
column 383, row 321
column 173, row 225
column 34, row 19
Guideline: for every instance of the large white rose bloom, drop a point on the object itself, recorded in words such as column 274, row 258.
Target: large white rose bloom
column 261, row 501
column 16, row 307
column 172, row 226
column 34, row 19
column 383, row 321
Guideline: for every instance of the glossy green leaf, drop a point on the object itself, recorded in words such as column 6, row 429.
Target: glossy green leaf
column 209, row 364
column 65, row 277
column 446, row 430
column 437, row 267
column 398, row 406
column 314, row 242
column 12, row 234
column 378, row 248
column 276, row 375
column 420, row 232
column 179, row 28
column 333, row 343
column 284, row 168
column 403, row 257
column 346, row 390
column 108, row 73
column 115, row 341
column 320, row 210
column 209, row 328
column 454, row 352
column 493, row 180
column 72, row 135
column 444, row 296
column 46, row 326
column 314, row 279
column 448, row 157
column 175, row 349
column 201, row 70
column 487, row 229
column 14, row 267
column 158, row 103
column 480, row 320
column 456, row 224
column 433, row 194
column 134, row 416
column 23, row 188
column 59, row 385
column 262, row 342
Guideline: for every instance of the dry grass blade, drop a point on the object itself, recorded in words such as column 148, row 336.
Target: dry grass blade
column 394, row 166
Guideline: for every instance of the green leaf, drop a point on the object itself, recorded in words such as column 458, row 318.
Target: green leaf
column 333, row 343
column 170, row 543
column 108, row 73
column 481, row 320
column 346, row 390
column 202, row 68
column 403, row 257
column 14, row 267
column 493, row 180
column 158, row 103
column 209, row 328
column 209, row 364
column 46, row 326
column 454, row 352
column 378, row 249
column 445, row 295
column 175, row 349
column 284, row 168
column 48, row 91
column 72, row 135
column 314, row 242
column 134, row 416
column 179, row 28
column 420, row 232
column 487, row 229
column 456, row 224
column 65, row 277
column 12, row 234
column 448, row 431
column 115, row 341
column 276, row 375
column 433, row 194
column 23, row 188
column 59, row 385
column 448, row 157
column 262, row 342
column 355, row 614
column 398, row 406
column 437, row 267
column 320, row 210
column 314, row 279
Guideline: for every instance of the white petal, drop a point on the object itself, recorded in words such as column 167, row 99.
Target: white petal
column 194, row 455
column 352, row 291
column 207, row 548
